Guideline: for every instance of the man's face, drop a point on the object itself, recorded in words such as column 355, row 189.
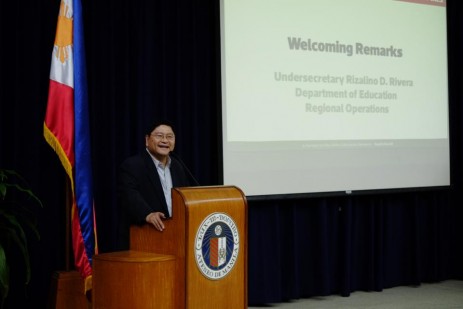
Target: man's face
column 160, row 142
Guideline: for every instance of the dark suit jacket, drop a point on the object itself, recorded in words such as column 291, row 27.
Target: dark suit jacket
column 140, row 191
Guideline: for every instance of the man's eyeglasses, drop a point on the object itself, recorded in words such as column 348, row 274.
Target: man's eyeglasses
column 160, row 136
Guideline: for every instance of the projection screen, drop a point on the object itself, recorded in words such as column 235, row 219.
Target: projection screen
column 334, row 95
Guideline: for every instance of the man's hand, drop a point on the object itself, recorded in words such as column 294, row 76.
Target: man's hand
column 155, row 218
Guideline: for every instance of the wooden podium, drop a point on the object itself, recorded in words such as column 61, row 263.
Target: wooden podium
column 206, row 240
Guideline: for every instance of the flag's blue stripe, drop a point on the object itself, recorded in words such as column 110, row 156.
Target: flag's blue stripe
column 83, row 170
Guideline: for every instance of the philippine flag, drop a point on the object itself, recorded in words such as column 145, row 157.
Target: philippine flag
column 66, row 129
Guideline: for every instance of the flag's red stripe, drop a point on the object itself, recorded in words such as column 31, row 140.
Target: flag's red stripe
column 80, row 256
column 60, row 116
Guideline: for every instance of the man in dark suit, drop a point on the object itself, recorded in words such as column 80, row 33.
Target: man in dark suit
column 145, row 181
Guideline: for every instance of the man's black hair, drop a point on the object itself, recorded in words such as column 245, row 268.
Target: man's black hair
column 158, row 123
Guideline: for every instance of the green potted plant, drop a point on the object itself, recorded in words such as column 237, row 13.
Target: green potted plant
column 16, row 215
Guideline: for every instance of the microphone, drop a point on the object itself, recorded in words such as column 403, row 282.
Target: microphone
column 175, row 156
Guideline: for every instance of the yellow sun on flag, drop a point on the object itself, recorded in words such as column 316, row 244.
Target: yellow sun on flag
column 63, row 38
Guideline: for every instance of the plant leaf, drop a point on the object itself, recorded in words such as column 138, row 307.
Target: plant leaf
column 2, row 190
column 16, row 233
column 24, row 190
column 4, row 276
column 20, row 186
column 14, row 216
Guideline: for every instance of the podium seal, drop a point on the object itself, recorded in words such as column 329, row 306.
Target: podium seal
column 217, row 245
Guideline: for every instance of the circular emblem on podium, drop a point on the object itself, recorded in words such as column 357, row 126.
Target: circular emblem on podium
column 217, row 245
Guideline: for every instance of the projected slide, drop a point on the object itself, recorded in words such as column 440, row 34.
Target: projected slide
column 322, row 96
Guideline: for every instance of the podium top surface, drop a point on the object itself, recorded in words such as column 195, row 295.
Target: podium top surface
column 210, row 193
column 132, row 256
